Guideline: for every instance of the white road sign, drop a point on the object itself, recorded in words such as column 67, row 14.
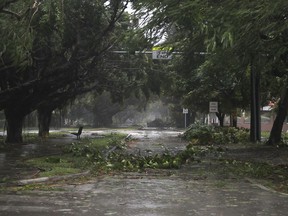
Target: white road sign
column 185, row 111
column 213, row 107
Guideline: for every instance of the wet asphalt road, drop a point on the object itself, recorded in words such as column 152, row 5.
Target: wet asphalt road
column 187, row 191
column 149, row 196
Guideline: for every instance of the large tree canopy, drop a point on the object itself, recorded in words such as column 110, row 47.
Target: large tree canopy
column 255, row 32
column 51, row 52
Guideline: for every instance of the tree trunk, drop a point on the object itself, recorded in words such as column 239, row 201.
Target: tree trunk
column 255, row 121
column 233, row 119
column 275, row 134
column 15, row 121
column 44, row 120
column 193, row 117
column 221, row 117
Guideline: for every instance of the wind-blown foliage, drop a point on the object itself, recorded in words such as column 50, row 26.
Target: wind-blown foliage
column 61, row 58
column 254, row 33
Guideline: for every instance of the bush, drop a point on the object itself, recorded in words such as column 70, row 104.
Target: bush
column 208, row 135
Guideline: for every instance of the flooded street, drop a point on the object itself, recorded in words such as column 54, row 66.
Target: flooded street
column 193, row 190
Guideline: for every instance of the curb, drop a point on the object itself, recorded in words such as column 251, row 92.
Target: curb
column 24, row 182
column 253, row 182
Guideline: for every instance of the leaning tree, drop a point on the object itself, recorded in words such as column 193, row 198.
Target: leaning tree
column 59, row 58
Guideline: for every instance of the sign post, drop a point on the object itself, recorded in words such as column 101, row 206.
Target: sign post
column 185, row 112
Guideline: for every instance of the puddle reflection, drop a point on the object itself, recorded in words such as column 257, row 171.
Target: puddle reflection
column 28, row 149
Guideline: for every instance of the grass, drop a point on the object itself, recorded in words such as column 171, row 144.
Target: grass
column 273, row 176
column 106, row 141
column 73, row 160
column 54, row 165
